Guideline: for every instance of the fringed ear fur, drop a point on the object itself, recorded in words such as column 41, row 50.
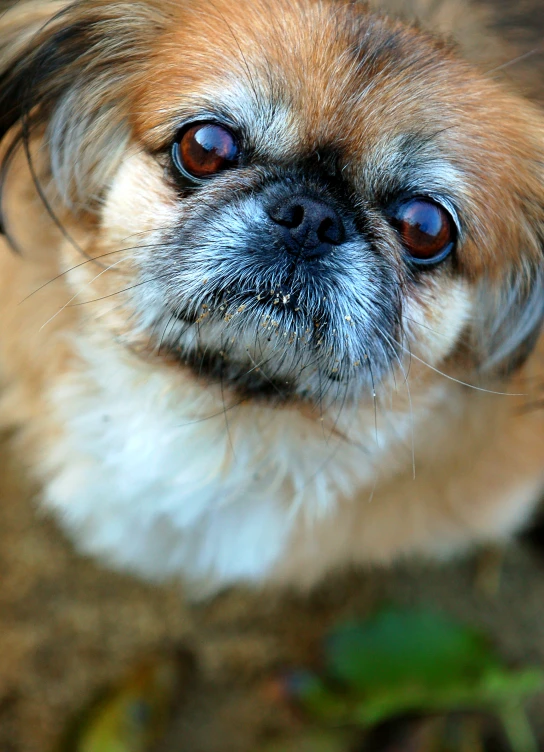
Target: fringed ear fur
column 512, row 321
column 67, row 70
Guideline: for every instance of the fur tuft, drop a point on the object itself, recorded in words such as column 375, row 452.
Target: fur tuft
column 70, row 75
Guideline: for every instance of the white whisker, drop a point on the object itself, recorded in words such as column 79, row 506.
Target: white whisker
column 458, row 381
column 87, row 284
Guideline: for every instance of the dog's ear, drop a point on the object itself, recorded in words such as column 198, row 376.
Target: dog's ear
column 23, row 30
column 513, row 318
column 512, row 308
column 67, row 72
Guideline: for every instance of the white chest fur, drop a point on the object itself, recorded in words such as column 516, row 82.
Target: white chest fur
column 152, row 474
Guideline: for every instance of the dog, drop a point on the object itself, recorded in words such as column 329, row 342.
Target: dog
column 271, row 281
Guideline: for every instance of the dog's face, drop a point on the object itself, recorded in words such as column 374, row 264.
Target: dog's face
column 292, row 200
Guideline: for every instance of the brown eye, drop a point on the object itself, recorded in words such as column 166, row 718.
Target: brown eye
column 426, row 229
column 205, row 149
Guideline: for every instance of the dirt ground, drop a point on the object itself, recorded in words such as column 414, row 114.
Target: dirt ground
column 68, row 628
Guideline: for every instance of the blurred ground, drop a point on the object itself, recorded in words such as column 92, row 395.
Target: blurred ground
column 68, row 627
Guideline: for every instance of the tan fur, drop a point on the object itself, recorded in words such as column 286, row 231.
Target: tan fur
column 480, row 459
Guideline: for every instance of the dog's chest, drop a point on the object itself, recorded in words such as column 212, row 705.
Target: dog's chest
column 157, row 479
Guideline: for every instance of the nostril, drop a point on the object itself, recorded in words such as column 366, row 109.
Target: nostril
column 288, row 214
column 331, row 231
column 297, row 217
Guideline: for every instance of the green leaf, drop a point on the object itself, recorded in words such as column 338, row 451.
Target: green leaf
column 397, row 647
column 402, row 661
column 492, row 692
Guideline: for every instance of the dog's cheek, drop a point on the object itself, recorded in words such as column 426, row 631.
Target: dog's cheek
column 436, row 314
column 139, row 201
column 138, row 210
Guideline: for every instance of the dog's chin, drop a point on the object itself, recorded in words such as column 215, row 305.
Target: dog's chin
column 244, row 379
column 266, row 363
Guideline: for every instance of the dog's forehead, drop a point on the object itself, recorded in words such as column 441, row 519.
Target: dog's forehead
column 303, row 76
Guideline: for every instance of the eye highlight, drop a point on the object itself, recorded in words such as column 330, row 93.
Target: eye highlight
column 204, row 149
column 426, row 229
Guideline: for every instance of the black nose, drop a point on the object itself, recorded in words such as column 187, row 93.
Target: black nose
column 309, row 228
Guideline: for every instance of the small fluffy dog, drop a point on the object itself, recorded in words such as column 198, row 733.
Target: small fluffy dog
column 271, row 284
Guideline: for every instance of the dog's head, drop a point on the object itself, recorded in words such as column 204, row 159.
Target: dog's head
column 290, row 199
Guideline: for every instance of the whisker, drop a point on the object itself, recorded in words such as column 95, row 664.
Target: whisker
column 89, row 261
column 342, row 439
column 458, row 381
column 68, row 304
column 374, row 400
column 518, row 59
column 169, row 321
column 371, row 497
column 218, row 414
column 227, row 427
column 425, row 326
column 119, row 292
column 407, row 384
column 341, row 408
column 274, row 386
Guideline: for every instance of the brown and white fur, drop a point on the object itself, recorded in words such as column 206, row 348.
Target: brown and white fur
column 151, row 463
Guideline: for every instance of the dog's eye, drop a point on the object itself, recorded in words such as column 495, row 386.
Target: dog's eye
column 427, row 231
column 204, row 149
